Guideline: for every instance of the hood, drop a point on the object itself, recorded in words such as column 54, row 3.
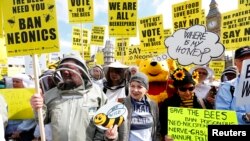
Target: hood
column 100, row 69
column 81, row 64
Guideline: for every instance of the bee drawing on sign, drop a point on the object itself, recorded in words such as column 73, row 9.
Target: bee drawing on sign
column 51, row 7
column 90, row 8
column 142, row 41
column 105, row 121
column 47, row 17
column 114, row 116
column 160, row 37
column 111, row 18
column 70, row 10
column 112, row 29
column 127, row 29
column 132, row 28
column 160, row 23
column 11, row 21
column 132, row 15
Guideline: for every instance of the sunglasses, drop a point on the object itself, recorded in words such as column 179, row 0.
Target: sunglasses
column 183, row 89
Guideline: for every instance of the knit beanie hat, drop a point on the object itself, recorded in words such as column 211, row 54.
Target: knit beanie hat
column 141, row 78
column 182, row 77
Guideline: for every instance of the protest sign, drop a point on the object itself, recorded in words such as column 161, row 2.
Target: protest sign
column 80, row 11
column 30, row 27
column 122, row 16
column 18, row 103
column 190, row 124
column 243, row 89
column 110, row 114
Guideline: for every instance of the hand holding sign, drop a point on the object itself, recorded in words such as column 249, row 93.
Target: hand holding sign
column 110, row 114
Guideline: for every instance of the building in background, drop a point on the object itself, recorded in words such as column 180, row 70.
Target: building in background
column 213, row 23
column 108, row 53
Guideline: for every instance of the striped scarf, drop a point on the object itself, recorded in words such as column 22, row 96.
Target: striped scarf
column 187, row 103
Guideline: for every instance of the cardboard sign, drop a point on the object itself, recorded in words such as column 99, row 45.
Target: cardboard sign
column 18, row 101
column 187, row 13
column 122, row 16
column 97, row 35
column 243, row 89
column 30, row 27
column 236, row 28
column 80, row 11
column 193, row 45
column 110, row 114
column 190, row 124
column 152, row 33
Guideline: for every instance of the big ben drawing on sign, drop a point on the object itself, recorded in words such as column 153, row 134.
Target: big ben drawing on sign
column 213, row 19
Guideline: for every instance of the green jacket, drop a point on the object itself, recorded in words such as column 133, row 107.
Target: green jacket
column 70, row 113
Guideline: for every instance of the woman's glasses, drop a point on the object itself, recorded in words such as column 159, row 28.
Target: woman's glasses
column 183, row 89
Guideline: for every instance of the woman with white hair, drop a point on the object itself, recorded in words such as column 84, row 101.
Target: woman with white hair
column 21, row 130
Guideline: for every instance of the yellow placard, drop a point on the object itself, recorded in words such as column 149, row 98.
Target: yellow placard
column 152, row 33
column 122, row 17
column 243, row 3
column 3, row 54
column 121, row 44
column 76, row 39
column 80, row 11
column 167, row 32
column 218, row 67
column 190, row 124
column 97, row 35
column 87, row 53
column 235, row 31
column 135, row 52
column 186, row 14
column 30, row 27
column 99, row 58
column 4, row 71
column 1, row 19
column 18, row 101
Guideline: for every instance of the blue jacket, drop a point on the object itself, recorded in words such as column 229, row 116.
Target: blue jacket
column 225, row 101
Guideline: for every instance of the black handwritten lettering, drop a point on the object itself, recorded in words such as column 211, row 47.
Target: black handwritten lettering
column 245, row 89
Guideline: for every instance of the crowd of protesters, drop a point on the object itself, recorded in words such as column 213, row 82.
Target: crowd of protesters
column 72, row 93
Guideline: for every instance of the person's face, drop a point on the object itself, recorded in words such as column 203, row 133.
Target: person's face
column 17, row 83
column 202, row 74
column 70, row 76
column 186, row 91
column 133, row 71
column 115, row 74
column 239, row 61
column 230, row 76
column 137, row 91
column 96, row 73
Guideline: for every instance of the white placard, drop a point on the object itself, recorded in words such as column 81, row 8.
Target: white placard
column 243, row 89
